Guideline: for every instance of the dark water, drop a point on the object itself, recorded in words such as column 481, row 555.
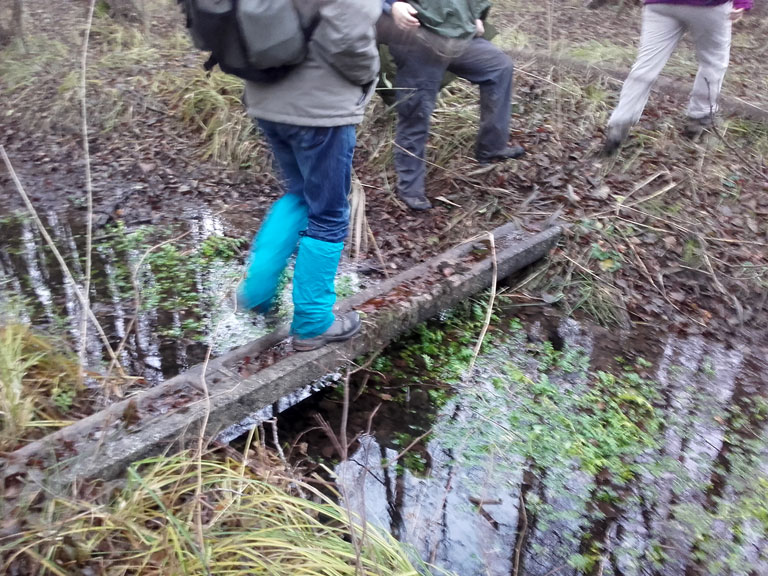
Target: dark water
column 186, row 304
column 520, row 475
column 563, row 452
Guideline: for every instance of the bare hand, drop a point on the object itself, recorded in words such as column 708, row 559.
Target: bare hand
column 479, row 28
column 736, row 14
column 405, row 16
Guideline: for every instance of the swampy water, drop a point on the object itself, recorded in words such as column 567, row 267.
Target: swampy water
column 569, row 449
column 183, row 268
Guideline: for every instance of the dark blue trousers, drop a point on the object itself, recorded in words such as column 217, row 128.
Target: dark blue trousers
column 315, row 163
column 419, row 74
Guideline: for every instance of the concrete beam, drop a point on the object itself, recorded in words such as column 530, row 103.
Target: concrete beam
column 258, row 374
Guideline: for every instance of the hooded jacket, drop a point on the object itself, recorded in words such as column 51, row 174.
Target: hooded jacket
column 332, row 86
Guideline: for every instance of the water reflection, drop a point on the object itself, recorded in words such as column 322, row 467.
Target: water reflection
column 159, row 340
column 495, row 499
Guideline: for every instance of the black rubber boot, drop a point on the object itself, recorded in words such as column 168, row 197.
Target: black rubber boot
column 694, row 127
column 509, row 153
column 614, row 138
column 419, row 203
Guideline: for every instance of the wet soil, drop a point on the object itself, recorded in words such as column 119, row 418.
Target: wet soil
column 693, row 255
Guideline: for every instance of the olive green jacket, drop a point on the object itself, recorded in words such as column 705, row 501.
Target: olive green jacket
column 451, row 18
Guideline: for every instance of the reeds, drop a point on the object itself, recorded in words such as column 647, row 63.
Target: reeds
column 37, row 382
column 212, row 104
column 249, row 526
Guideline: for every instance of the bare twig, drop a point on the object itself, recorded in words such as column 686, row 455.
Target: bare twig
column 276, row 442
column 638, row 187
column 379, row 256
column 711, row 269
column 88, row 181
column 521, row 539
column 659, row 192
column 492, row 300
column 405, row 450
column 341, row 444
column 201, row 447
column 358, row 220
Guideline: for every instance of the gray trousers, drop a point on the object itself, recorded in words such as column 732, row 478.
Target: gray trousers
column 420, row 72
column 663, row 26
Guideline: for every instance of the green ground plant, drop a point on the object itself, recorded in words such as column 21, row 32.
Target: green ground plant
column 174, row 276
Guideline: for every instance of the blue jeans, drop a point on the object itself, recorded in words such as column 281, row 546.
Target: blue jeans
column 316, row 166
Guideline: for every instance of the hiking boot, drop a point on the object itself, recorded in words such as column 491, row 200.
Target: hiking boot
column 508, row 153
column 417, row 202
column 614, row 138
column 343, row 328
column 694, row 127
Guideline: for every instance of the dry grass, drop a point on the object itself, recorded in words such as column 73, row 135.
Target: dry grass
column 212, row 105
column 37, row 382
column 251, row 521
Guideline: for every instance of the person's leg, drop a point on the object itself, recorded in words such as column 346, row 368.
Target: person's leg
column 662, row 30
column 278, row 235
column 324, row 156
column 417, row 84
column 710, row 28
column 492, row 70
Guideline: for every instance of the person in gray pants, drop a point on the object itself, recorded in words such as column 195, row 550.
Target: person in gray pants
column 664, row 23
column 446, row 37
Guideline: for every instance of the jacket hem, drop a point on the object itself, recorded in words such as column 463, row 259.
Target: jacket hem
column 325, row 122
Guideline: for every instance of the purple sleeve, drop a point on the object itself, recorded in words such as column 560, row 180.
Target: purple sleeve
column 742, row 4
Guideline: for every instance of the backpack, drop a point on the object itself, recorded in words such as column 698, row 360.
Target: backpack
column 257, row 40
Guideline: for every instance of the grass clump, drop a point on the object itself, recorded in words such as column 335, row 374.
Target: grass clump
column 213, row 105
column 179, row 515
column 596, row 51
column 38, row 383
column 23, row 68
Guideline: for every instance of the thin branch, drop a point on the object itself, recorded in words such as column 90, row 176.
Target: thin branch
column 405, row 450
column 521, row 539
column 489, row 310
column 88, row 181
column 198, row 509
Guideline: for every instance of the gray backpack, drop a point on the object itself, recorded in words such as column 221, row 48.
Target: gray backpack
column 258, row 40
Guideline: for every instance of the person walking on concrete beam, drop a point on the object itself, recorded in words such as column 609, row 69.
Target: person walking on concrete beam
column 309, row 119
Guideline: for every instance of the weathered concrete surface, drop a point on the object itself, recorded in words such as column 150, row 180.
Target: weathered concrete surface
column 104, row 444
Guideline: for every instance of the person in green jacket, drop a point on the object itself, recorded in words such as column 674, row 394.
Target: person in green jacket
column 431, row 37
